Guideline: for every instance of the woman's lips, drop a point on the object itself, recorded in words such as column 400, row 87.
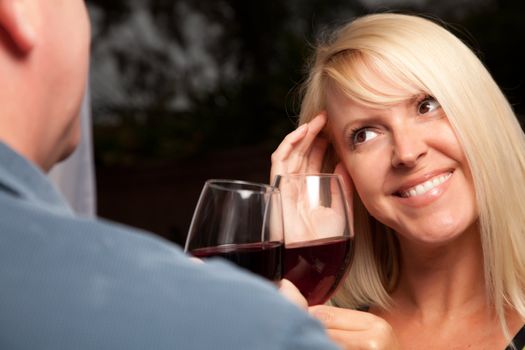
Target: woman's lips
column 426, row 186
column 425, row 192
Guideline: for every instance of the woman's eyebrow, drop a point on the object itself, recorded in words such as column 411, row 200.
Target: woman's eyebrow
column 356, row 119
column 363, row 120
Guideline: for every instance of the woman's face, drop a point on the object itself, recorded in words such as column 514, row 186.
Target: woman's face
column 406, row 164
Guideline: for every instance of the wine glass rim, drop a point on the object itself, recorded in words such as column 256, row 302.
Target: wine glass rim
column 223, row 184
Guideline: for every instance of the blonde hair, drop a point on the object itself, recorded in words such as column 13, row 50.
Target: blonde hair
column 417, row 55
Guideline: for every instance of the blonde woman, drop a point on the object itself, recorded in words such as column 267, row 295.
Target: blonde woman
column 434, row 159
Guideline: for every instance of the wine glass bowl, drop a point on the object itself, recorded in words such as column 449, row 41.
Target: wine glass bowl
column 318, row 234
column 241, row 222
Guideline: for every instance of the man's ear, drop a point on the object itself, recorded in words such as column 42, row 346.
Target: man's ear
column 16, row 23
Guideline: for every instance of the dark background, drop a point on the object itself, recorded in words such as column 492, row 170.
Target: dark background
column 186, row 90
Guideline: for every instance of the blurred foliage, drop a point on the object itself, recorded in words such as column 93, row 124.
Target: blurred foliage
column 181, row 94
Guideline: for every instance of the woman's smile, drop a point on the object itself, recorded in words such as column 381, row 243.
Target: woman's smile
column 421, row 192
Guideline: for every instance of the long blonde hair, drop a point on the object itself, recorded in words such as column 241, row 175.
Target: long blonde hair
column 418, row 55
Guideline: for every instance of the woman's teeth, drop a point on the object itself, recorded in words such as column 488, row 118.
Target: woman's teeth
column 425, row 186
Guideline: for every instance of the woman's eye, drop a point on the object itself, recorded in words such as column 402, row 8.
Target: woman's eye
column 429, row 104
column 363, row 135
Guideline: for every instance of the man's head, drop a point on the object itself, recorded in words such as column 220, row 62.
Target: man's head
column 44, row 55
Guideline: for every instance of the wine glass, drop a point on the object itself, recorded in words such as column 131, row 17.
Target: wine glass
column 241, row 222
column 318, row 236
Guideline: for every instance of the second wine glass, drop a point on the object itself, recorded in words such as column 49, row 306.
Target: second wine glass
column 318, row 233
column 241, row 222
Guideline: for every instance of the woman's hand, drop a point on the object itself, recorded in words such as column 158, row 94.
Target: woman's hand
column 290, row 292
column 352, row 329
column 302, row 150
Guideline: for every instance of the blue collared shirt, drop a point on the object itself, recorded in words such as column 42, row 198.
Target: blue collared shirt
column 73, row 283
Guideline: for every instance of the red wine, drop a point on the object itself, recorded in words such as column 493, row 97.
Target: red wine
column 317, row 267
column 262, row 258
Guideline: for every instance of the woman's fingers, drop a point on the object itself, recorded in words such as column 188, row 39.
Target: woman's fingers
column 196, row 260
column 316, row 156
column 314, row 127
column 290, row 292
column 292, row 155
column 285, row 148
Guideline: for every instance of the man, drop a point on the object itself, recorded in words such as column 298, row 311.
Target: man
column 71, row 283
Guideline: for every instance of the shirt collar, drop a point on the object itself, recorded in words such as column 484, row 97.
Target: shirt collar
column 20, row 178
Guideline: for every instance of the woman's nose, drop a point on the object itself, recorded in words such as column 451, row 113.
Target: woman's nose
column 409, row 147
